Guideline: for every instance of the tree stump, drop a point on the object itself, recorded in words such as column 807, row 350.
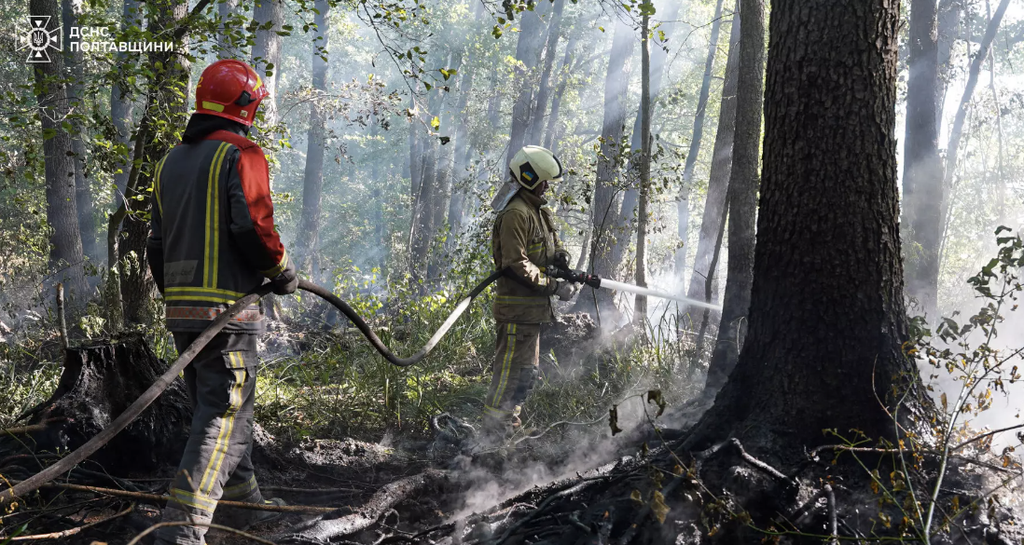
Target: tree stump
column 98, row 383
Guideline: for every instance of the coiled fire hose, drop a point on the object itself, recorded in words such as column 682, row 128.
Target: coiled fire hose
column 135, row 409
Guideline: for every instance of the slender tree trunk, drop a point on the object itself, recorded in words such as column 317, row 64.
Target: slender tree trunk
column 640, row 304
column 605, row 194
column 1000, row 163
column 683, row 205
column 266, row 53
column 629, row 199
column 931, row 247
column 170, row 87
column 556, row 101
column 121, row 106
column 713, row 220
column 460, row 175
column 922, row 169
column 950, row 14
column 226, row 9
column 544, row 88
column 531, row 39
column 308, row 240
column 66, row 255
column 87, row 220
column 742, row 193
column 827, row 321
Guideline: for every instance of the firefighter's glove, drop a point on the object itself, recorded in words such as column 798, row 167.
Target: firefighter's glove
column 562, row 259
column 286, row 282
column 565, row 290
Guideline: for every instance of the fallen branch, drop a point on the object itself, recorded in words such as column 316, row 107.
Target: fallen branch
column 322, row 531
column 71, row 531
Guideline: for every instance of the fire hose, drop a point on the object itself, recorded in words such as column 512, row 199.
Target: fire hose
column 79, row 455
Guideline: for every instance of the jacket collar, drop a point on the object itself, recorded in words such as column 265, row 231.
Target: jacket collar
column 532, row 199
column 200, row 126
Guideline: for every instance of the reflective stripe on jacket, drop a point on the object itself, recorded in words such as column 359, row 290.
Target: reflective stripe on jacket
column 525, row 241
column 212, row 227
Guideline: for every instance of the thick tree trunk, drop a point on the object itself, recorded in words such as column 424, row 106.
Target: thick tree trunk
column 742, row 194
column 715, row 204
column 87, row 220
column 544, row 88
column 121, row 106
column 66, row 257
column 922, row 169
column 683, row 204
column 640, row 304
column 266, row 53
column 606, row 196
column 827, row 319
column 308, row 240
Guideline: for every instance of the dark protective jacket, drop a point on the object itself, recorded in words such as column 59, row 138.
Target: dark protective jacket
column 524, row 240
column 212, row 235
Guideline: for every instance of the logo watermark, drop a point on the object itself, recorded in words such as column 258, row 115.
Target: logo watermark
column 39, row 39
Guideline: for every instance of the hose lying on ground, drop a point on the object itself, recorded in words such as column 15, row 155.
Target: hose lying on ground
column 135, row 409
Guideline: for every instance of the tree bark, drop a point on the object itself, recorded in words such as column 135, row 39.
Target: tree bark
column 605, row 193
column 87, row 220
column 544, row 88
column 742, row 193
column 716, row 203
column 640, row 303
column 922, row 169
column 308, row 241
column 66, row 256
column 683, row 204
column 827, row 319
column 266, row 53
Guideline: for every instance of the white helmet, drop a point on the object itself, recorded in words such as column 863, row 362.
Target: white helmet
column 534, row 164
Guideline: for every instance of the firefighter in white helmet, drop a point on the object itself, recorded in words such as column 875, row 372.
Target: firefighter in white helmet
column 524, row 243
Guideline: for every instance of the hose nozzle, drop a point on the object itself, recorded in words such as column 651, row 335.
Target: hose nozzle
column 575, row 276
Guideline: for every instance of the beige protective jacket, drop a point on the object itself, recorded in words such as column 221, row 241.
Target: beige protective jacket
column 525, row 241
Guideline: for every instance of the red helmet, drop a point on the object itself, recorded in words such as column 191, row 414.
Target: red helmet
column 230, row 89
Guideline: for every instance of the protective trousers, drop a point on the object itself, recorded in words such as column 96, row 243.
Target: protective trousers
column 217, row 462
column 515, row 369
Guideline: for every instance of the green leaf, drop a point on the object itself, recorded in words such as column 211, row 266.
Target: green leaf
column 435, row 123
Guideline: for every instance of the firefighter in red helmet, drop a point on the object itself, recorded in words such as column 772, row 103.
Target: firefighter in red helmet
column 212, row 239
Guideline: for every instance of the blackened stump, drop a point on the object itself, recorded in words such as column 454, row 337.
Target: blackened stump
column 99, row 382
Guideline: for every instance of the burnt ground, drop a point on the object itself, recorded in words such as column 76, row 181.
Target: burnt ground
column 574, row 485
column 598, row 490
